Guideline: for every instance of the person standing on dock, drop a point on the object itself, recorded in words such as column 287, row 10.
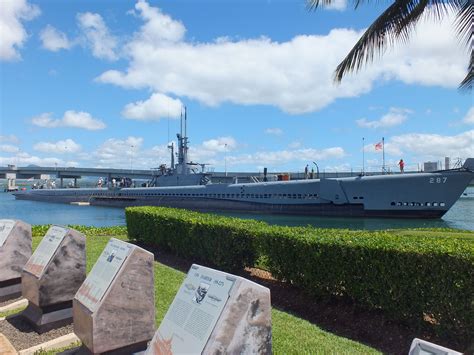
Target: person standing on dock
column 306, row 171
column 401, row 163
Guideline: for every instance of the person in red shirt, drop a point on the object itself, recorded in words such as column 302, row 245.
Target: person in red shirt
column 401, row 163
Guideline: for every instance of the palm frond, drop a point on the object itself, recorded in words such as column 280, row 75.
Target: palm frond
column 395, row 23
column 465, row 21
column 465, row 29
column 315, row 4
column 467, row 83
column 385, row 28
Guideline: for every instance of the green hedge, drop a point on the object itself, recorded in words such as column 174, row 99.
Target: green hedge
column 227, row 243
column 428, row 281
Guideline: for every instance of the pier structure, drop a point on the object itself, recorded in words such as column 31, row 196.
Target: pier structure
column 12, row 173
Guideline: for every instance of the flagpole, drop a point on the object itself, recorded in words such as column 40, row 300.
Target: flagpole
column 383, row 155
column 363, row 157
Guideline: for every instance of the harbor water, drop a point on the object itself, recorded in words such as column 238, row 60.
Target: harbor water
column 460, row 216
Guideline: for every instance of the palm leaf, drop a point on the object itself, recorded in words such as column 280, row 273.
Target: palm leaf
column 468, row 81
column 397, row 23
column 465, row 20
column 465, row 29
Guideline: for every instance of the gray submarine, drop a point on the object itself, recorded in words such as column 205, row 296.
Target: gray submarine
column 415, row 195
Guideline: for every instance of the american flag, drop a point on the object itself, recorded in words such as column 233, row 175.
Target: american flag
column 378, row 146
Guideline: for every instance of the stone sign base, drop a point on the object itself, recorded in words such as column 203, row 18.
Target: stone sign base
column 136, row 349
column 10, row 289
column 115, row 306
column 216, row 313
column 15, row 250
column 51, row 278
column 44, row 319
column 6, row 348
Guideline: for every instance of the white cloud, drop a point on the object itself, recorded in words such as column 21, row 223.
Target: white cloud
column 394, row 117
column 23, row 159
column 13, row 34
column 8, row 148
column 116, row 152
column 158, row 27
column 53, row 39
column 274, row 131
column 338, row 5
column 433, row 146
column 294, row 145
column 61, row 147
column 209, row 149
column 469, row 118
column 156, row 107
column 214, row 152
column 282, row 157
column 9, row 139
column 296, row 76
column 220, row 144
column 98, row 36
column 70, row 119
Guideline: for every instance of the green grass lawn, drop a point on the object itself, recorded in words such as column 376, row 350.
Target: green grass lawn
column 291, row 335
column 10, row 312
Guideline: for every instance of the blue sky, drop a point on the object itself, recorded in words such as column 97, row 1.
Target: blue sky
column 101, row 83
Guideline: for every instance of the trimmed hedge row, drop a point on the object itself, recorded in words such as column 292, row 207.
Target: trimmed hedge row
column 227, row 243
column 423, row 280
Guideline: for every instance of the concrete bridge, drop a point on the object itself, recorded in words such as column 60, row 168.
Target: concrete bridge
column 12, row 173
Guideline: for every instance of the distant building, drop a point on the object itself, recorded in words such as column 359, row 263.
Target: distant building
column 430, row 166
column 446, row 163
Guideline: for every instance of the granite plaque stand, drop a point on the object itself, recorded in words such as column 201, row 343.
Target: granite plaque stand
column 15, row 250
column 216, row 313
column 52, row 277
column 114, row 310
column 423, row 347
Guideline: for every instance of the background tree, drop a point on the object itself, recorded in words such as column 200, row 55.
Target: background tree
column 397, row 23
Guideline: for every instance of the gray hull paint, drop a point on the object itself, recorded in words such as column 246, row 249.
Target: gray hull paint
column 320, row 209
column 420, row 195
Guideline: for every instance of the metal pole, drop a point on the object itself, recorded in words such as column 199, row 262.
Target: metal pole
column 317, row 170
column 363, row 156
column 383, row 155
column 225, row 158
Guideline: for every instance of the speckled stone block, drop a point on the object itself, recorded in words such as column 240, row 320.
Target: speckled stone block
column 245, row 324
column 15, row 250
column 114, row 310
column 52, row 277
column 6, row 348
column 240, row 325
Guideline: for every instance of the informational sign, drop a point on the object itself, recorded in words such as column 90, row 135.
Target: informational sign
column 103, row 273
column 423, row 347
column 6, row 226
column 194, row 312
column 45, row 250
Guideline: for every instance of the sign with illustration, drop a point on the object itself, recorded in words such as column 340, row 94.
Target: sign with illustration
column 103, row 273
column 45, row 250
column 194, row 312
column 6, row 226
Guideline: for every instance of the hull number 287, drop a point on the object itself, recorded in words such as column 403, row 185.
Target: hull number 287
column 438, row 180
